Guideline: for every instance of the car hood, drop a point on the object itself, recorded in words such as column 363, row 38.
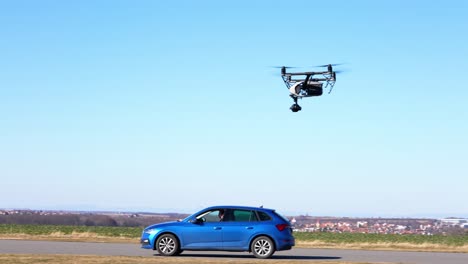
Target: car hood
column 161, row 225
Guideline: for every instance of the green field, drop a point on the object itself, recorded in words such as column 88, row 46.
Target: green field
column 353, row 238
column 44, row 230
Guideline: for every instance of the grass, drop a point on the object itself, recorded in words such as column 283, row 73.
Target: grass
column 106, row 231
column 350, row 238
column 71, row 233
column 438, row 243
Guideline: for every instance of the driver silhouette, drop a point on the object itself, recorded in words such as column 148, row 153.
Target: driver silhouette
column 221, row 214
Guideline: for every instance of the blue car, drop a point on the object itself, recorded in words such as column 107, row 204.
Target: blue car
column 222, row 228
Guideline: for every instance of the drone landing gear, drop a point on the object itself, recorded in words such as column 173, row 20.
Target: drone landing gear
column 295, row 107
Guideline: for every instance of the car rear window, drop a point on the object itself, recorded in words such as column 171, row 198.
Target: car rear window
column 263, row 216
column 280, row 216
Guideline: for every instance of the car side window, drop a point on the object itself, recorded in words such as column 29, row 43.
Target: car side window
column 244, row 216
column 210, row 216
column 263, row 216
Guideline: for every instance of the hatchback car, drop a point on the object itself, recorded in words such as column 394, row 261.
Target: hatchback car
column 222, row 228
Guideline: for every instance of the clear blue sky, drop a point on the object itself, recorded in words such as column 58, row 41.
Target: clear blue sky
column 173, row 106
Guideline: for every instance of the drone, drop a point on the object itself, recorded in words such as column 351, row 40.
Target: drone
column 308, row 84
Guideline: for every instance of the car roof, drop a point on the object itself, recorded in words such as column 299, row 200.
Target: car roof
column 239, row 207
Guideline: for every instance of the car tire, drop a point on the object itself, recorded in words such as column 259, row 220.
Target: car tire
column 262, row 247
column 167, row 245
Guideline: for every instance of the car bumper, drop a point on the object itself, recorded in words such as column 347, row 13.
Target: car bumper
column 285, row 243
column 145, row 241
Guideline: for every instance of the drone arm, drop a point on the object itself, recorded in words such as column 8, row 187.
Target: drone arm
column 307, row 73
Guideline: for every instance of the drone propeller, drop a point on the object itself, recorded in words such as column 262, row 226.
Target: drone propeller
column 326, row 65
column 286, row 67
column 329, row 66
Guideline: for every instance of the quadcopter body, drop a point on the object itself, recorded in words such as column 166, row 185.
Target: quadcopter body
column 308, row 84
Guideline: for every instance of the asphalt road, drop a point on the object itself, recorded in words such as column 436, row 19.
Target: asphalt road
column 118, row 249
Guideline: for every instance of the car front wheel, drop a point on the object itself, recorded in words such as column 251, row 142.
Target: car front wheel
column 263, row 247
column 167, row 245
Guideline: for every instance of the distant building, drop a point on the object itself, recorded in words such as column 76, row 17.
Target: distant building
column 293, row 221
column 454, row 221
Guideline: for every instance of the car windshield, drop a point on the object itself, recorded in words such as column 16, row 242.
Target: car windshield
column 198, row 216
column 186, row 218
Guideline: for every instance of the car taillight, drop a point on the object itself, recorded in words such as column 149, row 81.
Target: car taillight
column 282, row 227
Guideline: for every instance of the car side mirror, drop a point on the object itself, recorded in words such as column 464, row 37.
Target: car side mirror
column 196, row 221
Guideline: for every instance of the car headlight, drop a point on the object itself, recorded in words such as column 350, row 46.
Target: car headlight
column 151, row 231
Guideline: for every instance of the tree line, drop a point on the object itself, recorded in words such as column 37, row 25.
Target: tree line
column 87, row 219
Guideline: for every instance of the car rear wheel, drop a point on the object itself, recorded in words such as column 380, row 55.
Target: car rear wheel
column 167, row 245
column 262, row 247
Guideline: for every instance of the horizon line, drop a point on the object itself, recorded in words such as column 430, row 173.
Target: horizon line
column 149, row 211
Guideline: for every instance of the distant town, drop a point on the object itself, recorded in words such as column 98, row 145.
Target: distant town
column 423, row 226
column 301, row 223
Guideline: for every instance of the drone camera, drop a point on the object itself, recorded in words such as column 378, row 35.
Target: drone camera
column 295, row 108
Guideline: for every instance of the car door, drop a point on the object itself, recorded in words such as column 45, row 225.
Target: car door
column 238, row 228
column 203, row 232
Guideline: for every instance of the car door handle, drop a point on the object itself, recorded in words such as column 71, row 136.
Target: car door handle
column 249, row 227
column 217, row 228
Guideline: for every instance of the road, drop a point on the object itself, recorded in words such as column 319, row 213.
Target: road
column 119, row 249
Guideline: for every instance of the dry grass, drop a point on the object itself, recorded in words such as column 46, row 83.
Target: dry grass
column 75, row 259
column 424, row 247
